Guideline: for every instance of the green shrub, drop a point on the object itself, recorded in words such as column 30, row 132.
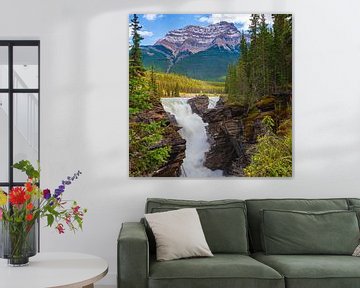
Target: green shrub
column 146, row 152
column 273, row 156
column 139, row 95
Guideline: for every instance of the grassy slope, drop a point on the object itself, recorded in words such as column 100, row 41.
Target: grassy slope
column 186, row 84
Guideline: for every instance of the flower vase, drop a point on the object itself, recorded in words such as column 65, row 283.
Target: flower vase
column 18, row 242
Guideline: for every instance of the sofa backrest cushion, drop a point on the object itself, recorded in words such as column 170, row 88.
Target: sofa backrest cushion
column 255, row 206
column 223, row 221
column 353, row 202
column 298, row 232
column 354, row 205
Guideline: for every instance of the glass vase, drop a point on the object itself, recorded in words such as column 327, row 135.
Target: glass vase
column 18, row 242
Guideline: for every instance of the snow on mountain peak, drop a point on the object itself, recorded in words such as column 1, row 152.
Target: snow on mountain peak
column 194, row 38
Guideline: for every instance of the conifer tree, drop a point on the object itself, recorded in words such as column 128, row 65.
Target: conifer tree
column 136, row 67
column 138, row 86
column 282, row 51
column 254, row 27
column 265, row 64
column 177, row 90
column 264, row 49
column 153, row 84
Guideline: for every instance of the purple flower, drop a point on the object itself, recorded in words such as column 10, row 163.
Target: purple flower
column 58, row 192
column 46, row 194
column 64, row 183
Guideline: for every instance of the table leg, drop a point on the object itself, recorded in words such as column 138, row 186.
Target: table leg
column 89, row 286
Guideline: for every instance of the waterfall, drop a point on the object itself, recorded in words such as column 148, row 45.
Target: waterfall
column 194, row 132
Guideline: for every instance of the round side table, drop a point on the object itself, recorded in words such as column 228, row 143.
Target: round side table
column 54, row 270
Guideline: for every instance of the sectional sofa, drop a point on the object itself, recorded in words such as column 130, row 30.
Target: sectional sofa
column 262, row 243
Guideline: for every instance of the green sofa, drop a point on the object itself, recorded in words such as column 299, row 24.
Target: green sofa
column 233, row 230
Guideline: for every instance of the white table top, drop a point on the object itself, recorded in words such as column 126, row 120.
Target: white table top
column 45, row 270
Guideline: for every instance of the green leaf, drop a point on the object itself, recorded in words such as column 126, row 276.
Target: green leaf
column 50, row 219
column 26, row 167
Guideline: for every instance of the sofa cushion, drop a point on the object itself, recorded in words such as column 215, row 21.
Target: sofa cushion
column 223, row 221
column 313, row 271
column 353, row 201
column 178, row 234
column 356, row 209
column 297, row 232
column 222, row 270
column 254, row 217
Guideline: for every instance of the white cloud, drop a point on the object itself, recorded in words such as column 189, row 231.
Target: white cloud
column 143, row 33
column 146, row 33
column 152, row 17
column 242, row 19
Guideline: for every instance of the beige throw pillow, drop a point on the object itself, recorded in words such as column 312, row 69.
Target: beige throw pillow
column 178, row 234
column 357, row 251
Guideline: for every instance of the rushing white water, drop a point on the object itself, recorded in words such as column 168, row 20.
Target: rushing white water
column 194, row 132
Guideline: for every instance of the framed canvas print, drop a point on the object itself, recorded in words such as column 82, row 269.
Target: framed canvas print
column 210, row 95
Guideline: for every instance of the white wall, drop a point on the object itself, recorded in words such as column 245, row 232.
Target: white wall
column 84, row 108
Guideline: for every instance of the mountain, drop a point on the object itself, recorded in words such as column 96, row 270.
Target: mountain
column 197, row 38
column 195, row 51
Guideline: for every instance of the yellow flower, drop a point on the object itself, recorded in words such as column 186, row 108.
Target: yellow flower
column 3, row 198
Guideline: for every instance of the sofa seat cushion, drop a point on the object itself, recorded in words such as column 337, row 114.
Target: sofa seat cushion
column 313, row 271
column 222, row 270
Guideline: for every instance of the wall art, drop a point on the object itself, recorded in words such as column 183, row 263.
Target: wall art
column 210, row 95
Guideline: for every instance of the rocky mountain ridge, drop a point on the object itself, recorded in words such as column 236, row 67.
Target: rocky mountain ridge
column 195, row 51
column 194, row 38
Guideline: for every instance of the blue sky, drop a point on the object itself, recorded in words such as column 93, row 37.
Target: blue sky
column 155, row 26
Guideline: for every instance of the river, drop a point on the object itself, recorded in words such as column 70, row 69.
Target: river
column 194, row 132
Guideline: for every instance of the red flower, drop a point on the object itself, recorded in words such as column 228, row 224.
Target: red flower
column 29, row 217
column 29, row 206
column 60, row 228
column 27, row 196
column 75, row 209
column 17, row 196
column 29, row 187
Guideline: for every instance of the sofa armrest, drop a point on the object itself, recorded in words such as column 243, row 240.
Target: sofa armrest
column 133, row 256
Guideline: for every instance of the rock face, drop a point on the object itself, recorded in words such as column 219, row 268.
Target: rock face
column 199, row 104
column 233, row 132
column 172, row 138
column 194, row 39
column 226, row 136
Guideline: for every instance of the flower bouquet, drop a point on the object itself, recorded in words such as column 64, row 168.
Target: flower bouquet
column 21, row 208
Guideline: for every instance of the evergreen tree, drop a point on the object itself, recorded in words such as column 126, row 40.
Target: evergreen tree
column 254, row 56
column 177, row 90
column 136, row 67
column 139, row 94
column 254, row 27
column 282, row 48
column 265, row 64
column 153, row 84
column 264, row 71
column 243, row 95
column 243, row 46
